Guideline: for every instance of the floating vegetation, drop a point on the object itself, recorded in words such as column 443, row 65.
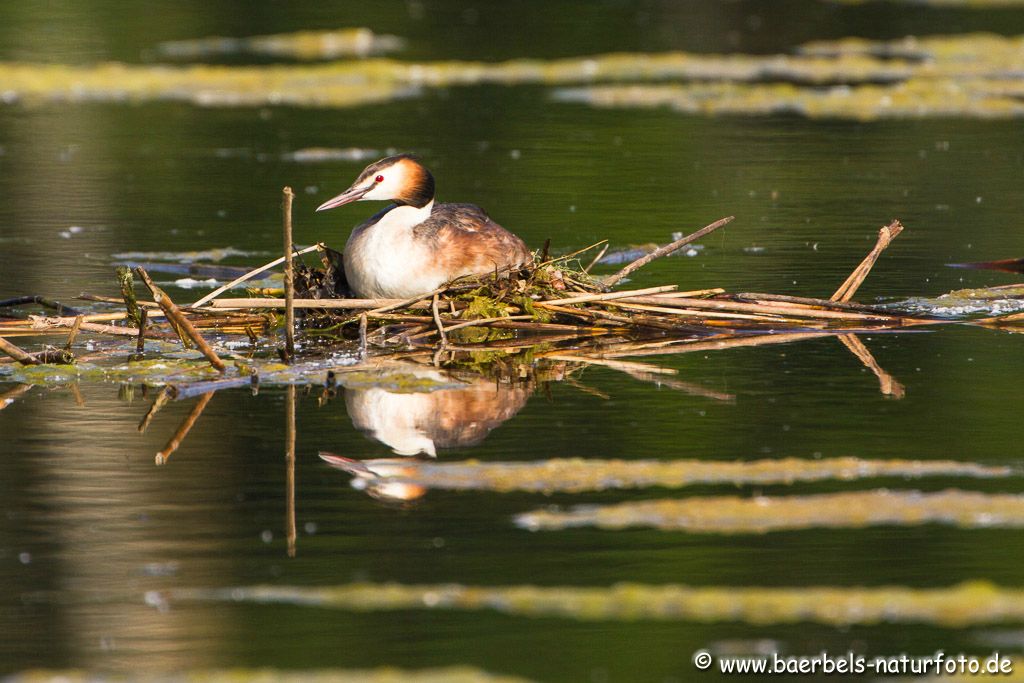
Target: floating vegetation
column 965, row 604
column 909, row 99
column 331, row 85
column 762, row 514
column 313, row 155
column 302, row 45
column 576, row 475
column 976, row 75
column 214, row 255
column 453, row 674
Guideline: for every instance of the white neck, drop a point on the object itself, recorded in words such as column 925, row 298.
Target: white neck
column 406, row 216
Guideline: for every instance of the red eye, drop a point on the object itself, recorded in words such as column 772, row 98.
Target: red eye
column 379, row 179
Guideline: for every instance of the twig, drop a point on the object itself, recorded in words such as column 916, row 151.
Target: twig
column 184, row 428
column 42, row 301
column 888, row 384
column 404, row 303
column 782, row 309
column 140, row 342
column 665, row 250
column 349, row 304
column 74, row 332
column 575, row 253
column 437, row 321
column 17, row 353
column 597, row 258
column 289, row 279
column 755, row 297
column 362, row 338
column 173, row 313
column 252, row 273
column 885, row 236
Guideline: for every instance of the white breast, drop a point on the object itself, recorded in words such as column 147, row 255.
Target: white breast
column 385, row 261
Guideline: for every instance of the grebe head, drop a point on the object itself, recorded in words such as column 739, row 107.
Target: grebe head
column 401, row 179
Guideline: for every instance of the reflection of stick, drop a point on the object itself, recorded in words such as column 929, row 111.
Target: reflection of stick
column 885, row 236
column 183, row 429
column 289, row 458
column 890, row 386
column 9, row 397
column 181, row 323
column 437, row 321
column 289, row 279
column 17, row 353
column 159, row 402
column 665, row 250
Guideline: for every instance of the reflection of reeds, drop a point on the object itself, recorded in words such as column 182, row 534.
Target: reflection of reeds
column 762, row 514
column 956, row 606
column 575, row 475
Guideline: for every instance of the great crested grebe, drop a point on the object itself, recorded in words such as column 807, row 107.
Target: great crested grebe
column 414, row 246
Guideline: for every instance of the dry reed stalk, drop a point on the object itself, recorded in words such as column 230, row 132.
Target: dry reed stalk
column 344, row 304
column 289, row 278
column 75, row 327
column 888, row 384
column 691, row 293
column 609, row 296
column 180, row 321
column 362, row 337
column 114, row 300
column 665, row 250
column 885, row 237
column 780, row 309
column 252, row 273
column 140, row 341
column 183, row 429
column 437, row 321
column 566, row 257
column 827, row 304
column 17, row 353
column 596, row 258
column 701, row 313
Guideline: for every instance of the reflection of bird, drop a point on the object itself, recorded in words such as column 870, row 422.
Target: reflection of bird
column 414, row 246
column 411, row 423
column 376, row 477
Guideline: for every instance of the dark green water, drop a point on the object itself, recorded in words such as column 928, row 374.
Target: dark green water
column 90, row 524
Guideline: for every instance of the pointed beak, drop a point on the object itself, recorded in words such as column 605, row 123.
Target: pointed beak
column 350, row 195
